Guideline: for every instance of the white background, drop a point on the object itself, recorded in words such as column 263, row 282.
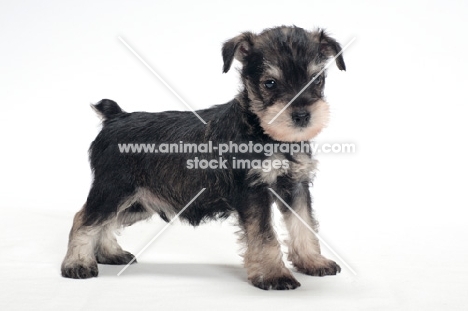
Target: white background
column 395, row 210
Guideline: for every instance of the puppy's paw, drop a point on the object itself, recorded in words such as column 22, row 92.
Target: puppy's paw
column 116, row 259
column 318, row 265
column 284, row 282
column 80, row 271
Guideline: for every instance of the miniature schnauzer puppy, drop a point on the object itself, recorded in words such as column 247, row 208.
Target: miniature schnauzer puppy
column 129, row 187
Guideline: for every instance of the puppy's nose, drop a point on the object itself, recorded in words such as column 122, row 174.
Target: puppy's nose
column 301, row 118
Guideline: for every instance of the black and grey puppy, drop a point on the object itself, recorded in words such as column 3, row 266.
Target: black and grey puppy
column 129, row 187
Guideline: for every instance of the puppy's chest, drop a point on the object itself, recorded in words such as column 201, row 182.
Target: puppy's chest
column 301, row 169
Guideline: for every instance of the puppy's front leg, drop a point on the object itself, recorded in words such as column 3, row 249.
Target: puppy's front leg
column 263, row 256
column 303, row 245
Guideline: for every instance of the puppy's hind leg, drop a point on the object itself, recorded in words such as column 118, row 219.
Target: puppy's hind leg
column 92, row 229
column 80, row 262
column 108, row 251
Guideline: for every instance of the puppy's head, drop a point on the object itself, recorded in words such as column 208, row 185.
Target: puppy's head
column 276, row 65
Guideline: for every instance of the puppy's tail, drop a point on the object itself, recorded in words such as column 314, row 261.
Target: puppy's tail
column 107, row 109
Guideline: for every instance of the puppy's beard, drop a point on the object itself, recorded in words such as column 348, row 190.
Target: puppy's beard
column 283, row 128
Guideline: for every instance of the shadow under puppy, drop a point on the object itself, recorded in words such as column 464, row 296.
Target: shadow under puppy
column 129, row 187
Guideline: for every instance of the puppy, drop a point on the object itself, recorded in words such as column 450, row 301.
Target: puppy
column 131, row 185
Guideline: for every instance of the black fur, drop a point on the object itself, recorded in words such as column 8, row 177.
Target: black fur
column 108, row 108
column 118, row 175
column 170, row 184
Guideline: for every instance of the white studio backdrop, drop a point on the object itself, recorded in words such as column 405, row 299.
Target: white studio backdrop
column 395, row 210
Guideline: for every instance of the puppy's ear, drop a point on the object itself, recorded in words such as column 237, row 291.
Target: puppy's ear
column 330, row 48
column 238, row 47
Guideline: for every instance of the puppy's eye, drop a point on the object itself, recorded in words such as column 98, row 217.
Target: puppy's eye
column 318, row 80
column 270, row 84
